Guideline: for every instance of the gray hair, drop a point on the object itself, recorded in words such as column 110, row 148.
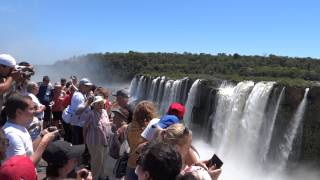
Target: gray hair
column 31, row 86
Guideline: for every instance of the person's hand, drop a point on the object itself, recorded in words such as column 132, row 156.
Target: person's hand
column 42, row 107
column 45, row 131
column 84, row 174
column 214, row 173
column 50, row 135
column 202, row 164
column 90, row 99
column 51, row 104
column 122, row 129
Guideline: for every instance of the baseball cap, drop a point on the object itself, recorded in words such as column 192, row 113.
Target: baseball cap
column 123, row 93
column 59, row 152
column 176, row 109
column 167, row 120
column 85, row 81
column 7, row 60
column 17, row 168
column 151, row 129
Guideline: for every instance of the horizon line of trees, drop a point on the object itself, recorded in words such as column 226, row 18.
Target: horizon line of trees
column 286, row 70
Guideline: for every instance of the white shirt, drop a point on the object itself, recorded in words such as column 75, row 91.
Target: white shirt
column 149, row 131
column 77, row 101
column 20, row 142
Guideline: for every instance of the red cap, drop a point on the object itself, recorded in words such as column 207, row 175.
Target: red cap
column 17, row 168
column 176, row 109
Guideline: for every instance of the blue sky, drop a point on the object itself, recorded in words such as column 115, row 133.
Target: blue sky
column 43, row 31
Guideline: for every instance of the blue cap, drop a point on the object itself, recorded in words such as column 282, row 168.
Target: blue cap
column 167, row 120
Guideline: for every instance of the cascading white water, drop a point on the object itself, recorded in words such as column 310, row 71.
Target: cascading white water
column 166, row 96
column 236, row 127
column 153, row 89
column 175, row 91
column 286, row 147
column 133, row 87
column 233, row 114
column 239, row 124
column 190, row 101
column 266, row 146
column 159, row 95
column 252, row 120
column 140, row 88
column 223, row 109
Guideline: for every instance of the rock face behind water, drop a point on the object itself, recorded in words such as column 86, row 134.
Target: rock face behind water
column 310, row 149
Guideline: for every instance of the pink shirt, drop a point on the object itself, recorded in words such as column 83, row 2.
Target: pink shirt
column 97, row 128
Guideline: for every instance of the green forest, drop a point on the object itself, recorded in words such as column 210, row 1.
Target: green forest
column 284, row 70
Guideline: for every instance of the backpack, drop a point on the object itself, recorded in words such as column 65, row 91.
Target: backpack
column 122, row 152
column 114, row 146
column 120, row 167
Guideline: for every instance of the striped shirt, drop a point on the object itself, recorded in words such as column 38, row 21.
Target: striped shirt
column 97, row 128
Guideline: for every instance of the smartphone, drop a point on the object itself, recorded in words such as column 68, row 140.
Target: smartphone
column 52, row 128
column 215, row 160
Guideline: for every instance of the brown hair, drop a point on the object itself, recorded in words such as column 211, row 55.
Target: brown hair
column 14, row 102
column 3, row 145
column 144, row 111
column 103, row 92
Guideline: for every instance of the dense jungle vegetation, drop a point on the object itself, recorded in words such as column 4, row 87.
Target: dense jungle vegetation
column 284, row 70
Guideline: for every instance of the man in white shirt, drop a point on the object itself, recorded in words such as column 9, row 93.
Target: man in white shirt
column 20, row 110
column 79, row 105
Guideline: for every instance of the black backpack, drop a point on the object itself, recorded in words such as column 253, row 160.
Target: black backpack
column 120, row 167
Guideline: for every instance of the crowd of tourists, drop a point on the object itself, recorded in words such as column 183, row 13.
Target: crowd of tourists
column 82, row 133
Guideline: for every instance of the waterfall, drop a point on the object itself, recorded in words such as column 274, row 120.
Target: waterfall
column 153, row 90
column 230, row 123
column 223, row 109
column 291, row 132
column 140, row 88
column 265, row 148
column 166, row 97
column 249, row 126
column 190, row 101
column 133, row 87
column 253, row 118
column 175, row 91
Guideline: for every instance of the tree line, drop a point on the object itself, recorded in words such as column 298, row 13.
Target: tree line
column 285, row 70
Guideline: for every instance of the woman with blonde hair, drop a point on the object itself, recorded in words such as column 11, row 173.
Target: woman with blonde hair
column 180, row 136
column 144, row 112
column 177, row 135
